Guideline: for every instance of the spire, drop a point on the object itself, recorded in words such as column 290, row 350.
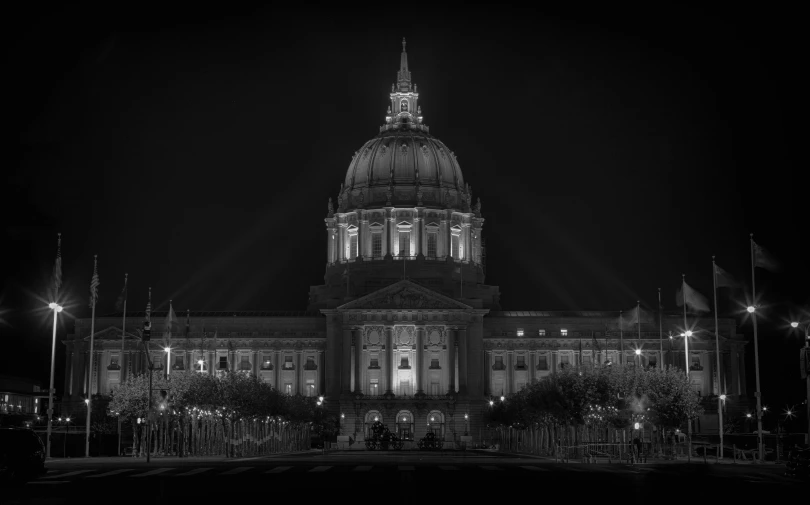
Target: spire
column 404, row 75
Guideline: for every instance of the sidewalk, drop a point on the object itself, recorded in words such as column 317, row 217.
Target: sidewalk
column 657, row 461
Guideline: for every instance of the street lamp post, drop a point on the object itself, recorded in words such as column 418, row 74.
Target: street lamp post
column 686, row 334
column 753, row 311
column 806, row 355
column 168, row 350
column 56, row 309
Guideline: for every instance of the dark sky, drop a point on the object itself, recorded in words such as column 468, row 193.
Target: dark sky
column 196, row 150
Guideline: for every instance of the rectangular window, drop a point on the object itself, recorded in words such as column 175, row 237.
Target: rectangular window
column 374, row 363
column 288, row 388
column 353, row 246
column 288, row 363
column 520, row 332
column 521, row 363
column 652, row 361
column 376, row 245
column 374, row 390
column 310, row 389
column 404, row 387
column 434, row 387
column 113, row 362
column 178, row 363
column 695, row 363
column 157, row 361
column 541, row 333
column 498, row 363
column 310, row 364
column 564, row 332
column 223, row 362
column 432, row 240
column 404, row 243
column 434, row 363
column 244, row 364
column 403, row 363
column 542, row 362
column 586, row 359
column 266, row 362
column 565, row 360
column 454, row 246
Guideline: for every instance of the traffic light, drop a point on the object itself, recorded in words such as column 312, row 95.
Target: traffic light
column 147, row 331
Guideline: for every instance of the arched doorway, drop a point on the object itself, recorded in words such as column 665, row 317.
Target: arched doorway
column 435, row 423
column 405, row 427
column 371, row 417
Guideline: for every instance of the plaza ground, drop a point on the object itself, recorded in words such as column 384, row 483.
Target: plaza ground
column 395, row 477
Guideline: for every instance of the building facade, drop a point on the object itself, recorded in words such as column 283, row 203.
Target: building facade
column 404, row 329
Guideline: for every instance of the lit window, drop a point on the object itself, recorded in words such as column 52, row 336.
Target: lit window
column 432, row 240
column 353, row 246
column 376, row 245
column 310, row 389
column 374, row 390
column 541, row 333
column 520, row 332
column 404, row 243
column 564, row 332
column 288, row 388
column 266, row 362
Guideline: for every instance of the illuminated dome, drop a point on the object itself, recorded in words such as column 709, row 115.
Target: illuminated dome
column 404, row 165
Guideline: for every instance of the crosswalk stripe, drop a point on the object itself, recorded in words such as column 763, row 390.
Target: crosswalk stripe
column 405, row 468
column 278, row 469
column 535, row 468
column 237, row 470
column 448, row 467
column 152, row 472
column 320, row 469
column 193, row 472
column 114, row 472
column 488, row 467
column 69, row 474
column 362, row 469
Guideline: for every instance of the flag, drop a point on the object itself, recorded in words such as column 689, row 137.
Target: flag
column 692, row 298
column 57, row 267
column 122, row 298
column 171, row 319
column 764, row 259
column 149, row 307
column 94, row 284
column 188, row 322
column 636, row 313
column 724, row 279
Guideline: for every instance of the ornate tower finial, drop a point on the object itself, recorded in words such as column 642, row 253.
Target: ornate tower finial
column 404, row 75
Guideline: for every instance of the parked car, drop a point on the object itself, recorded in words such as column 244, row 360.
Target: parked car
column 22, row 454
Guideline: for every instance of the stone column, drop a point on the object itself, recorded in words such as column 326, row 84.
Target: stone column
column 345, row 370
column 451, row 361
column 277, row 369
column 488, row 373
column 462, row 361
column 255, row 362
column 389, row 360
column 448, row 233
column 299, row 374
column 321, row 374
column 389, row 231
column 417, row 233
column 467, row 242
column 510, row 370
column 358, row 362
column 361, row 235
column 419, row 361
column 532, row 365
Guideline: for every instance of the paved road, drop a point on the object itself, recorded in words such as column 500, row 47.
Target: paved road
column 394, row 478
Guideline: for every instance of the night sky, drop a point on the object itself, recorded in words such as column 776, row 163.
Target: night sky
column 196, row 150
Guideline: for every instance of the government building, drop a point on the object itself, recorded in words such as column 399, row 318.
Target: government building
column 405, row 329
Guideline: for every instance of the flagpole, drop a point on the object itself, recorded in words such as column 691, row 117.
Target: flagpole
column 57, row 283
column 758, row 393
column 638, row 320
column 124, row 331
column 686, row 365
column 89, row 400
column 621, row 339
column 660, row 328
column 717, row 351
column 461, row 276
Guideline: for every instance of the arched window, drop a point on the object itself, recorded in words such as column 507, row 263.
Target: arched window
column 405, row 426
column 372, row 417
column 435, row 423
column 403, row 105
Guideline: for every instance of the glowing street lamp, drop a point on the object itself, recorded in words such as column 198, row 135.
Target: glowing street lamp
column 168, row 351
column 56, row 310
column 201, row 362
column 503, row 398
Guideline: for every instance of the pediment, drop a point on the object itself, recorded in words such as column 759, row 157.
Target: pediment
column 405, row 294
column 111, row 332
